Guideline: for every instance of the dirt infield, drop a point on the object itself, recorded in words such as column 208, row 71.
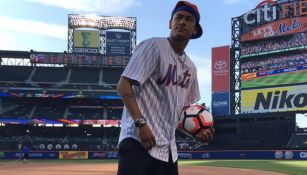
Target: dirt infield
column 17, row 168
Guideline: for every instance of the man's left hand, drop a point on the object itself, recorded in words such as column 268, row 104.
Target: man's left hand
column 207, row 135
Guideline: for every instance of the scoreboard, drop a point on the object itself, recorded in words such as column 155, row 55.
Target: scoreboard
column 79, row 59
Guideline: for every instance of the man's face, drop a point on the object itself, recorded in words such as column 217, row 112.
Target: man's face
column 183, row 25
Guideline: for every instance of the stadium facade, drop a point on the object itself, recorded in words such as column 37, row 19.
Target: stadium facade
column 264, row 78
column 65, row 106
column 67, row 101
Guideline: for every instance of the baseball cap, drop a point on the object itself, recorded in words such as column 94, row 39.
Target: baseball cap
column 191, row 8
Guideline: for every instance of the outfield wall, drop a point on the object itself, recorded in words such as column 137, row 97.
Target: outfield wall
column 250, row 154
column 229, row 154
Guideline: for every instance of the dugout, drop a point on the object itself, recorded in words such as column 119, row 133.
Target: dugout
column 253, row 131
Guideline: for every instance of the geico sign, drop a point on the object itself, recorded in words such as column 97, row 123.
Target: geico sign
column 290, row 9
column 280, row 99
column 86, row 50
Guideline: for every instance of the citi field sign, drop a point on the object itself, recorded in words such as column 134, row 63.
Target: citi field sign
column 270, row 10
column 277, row 28
column 289, row 98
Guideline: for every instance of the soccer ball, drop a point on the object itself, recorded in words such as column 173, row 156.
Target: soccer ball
column 195, row 120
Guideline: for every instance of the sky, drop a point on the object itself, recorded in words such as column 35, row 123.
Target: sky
column 41, row 25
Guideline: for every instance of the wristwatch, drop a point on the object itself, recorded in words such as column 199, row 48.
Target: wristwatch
column 140, row 122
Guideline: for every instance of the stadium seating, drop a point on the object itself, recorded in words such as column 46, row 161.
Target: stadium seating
column 75, row 96
column 15, row 109
column 48, row 108
column 298, row 141
column 59, row 138
column 280, row 61
column 111, row 76
column 96, row 78
column 84, row 75
column 48, row 111
column 295, row 40
column 50, row 74
column 114, row 113
column 85, row 112
column 15, row 73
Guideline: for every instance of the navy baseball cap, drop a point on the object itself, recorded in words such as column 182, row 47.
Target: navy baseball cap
column 191, row 8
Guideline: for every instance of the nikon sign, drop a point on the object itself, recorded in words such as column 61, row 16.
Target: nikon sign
column 290, row 98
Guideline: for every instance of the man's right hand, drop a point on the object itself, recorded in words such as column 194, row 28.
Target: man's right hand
column 147, row 138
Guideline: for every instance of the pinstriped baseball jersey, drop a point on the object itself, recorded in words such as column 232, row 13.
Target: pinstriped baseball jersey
column 164, row 87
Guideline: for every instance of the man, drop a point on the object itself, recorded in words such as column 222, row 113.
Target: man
column 158, row 83
column 25, row 153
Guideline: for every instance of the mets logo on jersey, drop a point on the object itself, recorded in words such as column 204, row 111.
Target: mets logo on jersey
column 171, row 79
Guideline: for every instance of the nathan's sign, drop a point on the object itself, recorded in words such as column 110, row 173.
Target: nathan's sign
column 72, row 155
column 277, row 28
column 290, row 98
column 270, row 11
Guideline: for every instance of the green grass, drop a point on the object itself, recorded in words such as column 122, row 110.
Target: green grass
column 279, row 79
column 283, row 166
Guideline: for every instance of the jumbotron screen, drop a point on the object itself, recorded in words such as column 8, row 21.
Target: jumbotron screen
column 274, row 62
column 273, row 57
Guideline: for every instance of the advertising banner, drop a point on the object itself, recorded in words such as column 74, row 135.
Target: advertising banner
column 104, row 123
column 277, row 28
column 32, row 92
column 73, row 155
column 1, row 155
column 289, row 98
column 248, row 76
column 79, row 59
column 277, row 77
column 86, row 41
column 302, row 155
column 272, row 10
column 118, row 43
column 249, row 154
column 220, row 103
column 229, row 154
column 103, row 155
column 220, row 69
column 86, row 38
column 32, row 155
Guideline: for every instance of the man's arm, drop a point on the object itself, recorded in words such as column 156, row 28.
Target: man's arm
column 124, row 89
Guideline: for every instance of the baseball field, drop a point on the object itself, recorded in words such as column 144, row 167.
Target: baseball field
column 186, row 167
column 279, row 79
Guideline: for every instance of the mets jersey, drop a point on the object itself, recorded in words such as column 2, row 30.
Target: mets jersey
column 166, row 82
